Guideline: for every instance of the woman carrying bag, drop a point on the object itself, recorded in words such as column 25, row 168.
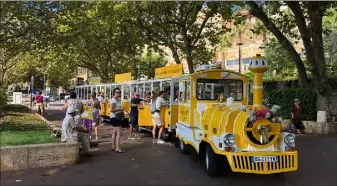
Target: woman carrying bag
column 116, row 117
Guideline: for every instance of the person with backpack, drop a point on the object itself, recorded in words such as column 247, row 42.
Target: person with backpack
column 116, row 117
column 156, row 105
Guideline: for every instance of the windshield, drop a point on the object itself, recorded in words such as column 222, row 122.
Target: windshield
column 210, row 89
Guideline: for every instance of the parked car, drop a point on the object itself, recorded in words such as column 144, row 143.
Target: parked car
column 64, row 95
column 52, row 97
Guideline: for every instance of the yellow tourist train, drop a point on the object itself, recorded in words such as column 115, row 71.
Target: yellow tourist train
column 209, row 111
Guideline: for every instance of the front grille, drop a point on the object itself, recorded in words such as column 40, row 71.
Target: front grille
column 242, row 162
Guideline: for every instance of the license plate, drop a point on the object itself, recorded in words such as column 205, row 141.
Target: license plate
column 264, row 158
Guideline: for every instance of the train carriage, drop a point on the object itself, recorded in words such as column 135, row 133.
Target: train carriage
column 209, row 111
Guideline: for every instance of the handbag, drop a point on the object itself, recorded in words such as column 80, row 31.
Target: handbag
column 120, row 115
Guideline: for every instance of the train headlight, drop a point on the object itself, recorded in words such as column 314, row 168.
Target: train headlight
column 229, row 140
column 289, row 140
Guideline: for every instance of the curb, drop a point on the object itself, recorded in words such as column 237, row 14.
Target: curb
column 21, row 157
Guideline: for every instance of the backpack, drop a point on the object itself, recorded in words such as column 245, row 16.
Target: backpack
column 153, row 107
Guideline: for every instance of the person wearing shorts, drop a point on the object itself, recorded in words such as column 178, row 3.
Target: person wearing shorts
column 157, row 119
column 115, row 120
column 96, row 113
column 39, row 102
column 135, row 103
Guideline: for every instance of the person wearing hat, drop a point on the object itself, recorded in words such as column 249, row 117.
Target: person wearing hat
column 72, row 129
column 296, row 116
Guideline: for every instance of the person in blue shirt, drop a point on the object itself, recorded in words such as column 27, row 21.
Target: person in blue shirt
column 135, row 103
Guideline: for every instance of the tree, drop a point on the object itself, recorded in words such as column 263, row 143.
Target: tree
column 281, row 66
column 148, row 63
column 49, row 63
column 25, row 26
column 93, row 33
column 186, row 28
column 307, row 18
column 331, row 51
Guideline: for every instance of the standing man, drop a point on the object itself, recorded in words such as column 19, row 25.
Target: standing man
column 156, row 117
column 135, row 103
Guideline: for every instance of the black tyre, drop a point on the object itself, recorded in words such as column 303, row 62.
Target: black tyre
column 166, row 135
column 176, row 142
column 212, row 162
column 182, row 146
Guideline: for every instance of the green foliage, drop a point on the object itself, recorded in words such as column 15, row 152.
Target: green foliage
column 148, row 63
column 3, row 98
column 330, row 48
column 25, row 26
column 285, row 98
column 184, row 27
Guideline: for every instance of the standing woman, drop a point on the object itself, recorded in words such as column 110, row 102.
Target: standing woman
column 96, row 113
column 116, row 117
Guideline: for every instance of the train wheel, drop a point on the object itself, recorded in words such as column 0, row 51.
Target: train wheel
column 182, row 147
column 165, row 135
column 176, row 142
column 212, row 162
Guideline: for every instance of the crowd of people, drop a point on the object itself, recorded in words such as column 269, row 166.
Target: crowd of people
column 74, row 128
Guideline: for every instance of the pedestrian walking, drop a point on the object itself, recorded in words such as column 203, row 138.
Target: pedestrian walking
column 96, row 113
column 156, row 105
column 296, row 117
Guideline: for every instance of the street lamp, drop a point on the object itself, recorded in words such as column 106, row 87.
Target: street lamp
column 239, row 45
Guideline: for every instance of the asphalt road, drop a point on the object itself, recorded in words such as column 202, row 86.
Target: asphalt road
column 145, row 163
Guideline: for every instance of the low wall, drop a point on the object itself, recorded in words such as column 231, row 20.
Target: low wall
column 40, row 155
column 313, row 127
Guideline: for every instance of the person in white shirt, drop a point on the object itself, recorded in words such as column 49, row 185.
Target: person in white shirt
column 156, row 117
column 116, row 117
column 72, row 129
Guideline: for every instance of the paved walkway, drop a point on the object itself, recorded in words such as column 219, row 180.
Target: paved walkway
column 55, row 115
column 144, row 163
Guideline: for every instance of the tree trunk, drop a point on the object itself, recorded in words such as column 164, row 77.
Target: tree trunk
column 189, row 59
column 2, row 77
column 302, row 75
column 176, row 57
column 175, row 54
column 317, row 61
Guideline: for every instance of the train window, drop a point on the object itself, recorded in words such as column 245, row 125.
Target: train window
column 141, row 89
column 166, row 86
column 147, row 89
column 188, row 92
column 200, row 92
column 182, row 90
column 107, row 92
column 133, row 88
column 126, row 90
column 176, row 91
column 156, row 87
column 210, row 89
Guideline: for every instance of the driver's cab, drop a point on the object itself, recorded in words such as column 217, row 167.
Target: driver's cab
column 207, row 87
